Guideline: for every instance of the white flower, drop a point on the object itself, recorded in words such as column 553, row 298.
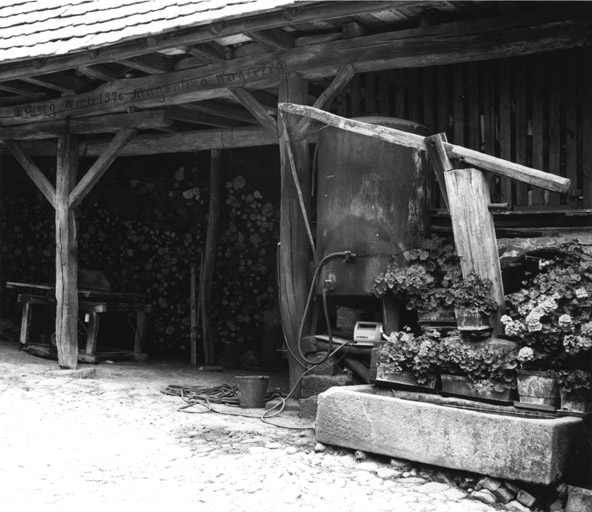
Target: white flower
column 581, row 293
column 525, row 354
column 564, row 320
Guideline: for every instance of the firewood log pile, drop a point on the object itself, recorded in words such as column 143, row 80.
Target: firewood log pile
column 144, row 230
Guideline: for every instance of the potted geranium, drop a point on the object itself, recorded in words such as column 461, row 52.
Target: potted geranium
column 408, row 360
column 537, row 386
column 473, row 304
column 425, row 283
column 483, row 370
column 575, row 388
column 550, row 317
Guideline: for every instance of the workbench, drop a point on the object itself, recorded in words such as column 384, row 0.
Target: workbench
column 92, row 305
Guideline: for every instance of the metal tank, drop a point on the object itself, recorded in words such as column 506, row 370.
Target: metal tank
column 372, row 200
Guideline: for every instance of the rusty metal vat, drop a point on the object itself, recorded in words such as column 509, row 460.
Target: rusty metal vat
column 372, row 200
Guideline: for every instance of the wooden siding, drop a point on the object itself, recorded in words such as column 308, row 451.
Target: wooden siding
column 534, row 110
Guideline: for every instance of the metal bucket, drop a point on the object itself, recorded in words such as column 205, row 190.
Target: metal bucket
column 251, row 390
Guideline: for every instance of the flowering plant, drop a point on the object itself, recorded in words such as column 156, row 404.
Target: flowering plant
column 406, row 352
column 575, row 380
column 552, row 313
column 483, row 364
column 425, row 283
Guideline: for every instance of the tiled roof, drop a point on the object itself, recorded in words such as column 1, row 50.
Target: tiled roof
column 41, row 28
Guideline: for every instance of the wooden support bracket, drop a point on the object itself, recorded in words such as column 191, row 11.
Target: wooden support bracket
column 254, row 107
column 43, row 184
column 342, row 78
column 99, row 168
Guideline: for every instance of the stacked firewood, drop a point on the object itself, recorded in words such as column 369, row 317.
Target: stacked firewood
column 144, row 231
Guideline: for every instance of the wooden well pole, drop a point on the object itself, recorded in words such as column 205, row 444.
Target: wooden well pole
column 294, row 255
column 66, row 254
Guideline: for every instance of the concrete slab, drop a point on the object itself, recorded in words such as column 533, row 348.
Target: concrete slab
column 511, row 447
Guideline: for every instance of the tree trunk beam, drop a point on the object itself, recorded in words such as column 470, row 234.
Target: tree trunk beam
column 294, row 251
column 342, row 78
column 254, row 107
column 99, row 168
column 66, row 255
column 43, row 184
column 496, row 165
column 88, row 125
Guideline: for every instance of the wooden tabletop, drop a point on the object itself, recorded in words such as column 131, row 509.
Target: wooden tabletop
column 86, row 293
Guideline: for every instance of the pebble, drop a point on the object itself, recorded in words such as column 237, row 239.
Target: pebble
column 484, row 496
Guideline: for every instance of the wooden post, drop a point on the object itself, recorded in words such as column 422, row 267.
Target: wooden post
column 472, row 225
column 294, row 255
column 194, row 312
column 209, row 261
column 66, row 254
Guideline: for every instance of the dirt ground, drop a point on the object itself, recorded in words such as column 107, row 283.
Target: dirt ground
column 115, row 440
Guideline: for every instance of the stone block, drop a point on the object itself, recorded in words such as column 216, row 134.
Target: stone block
column 516, row 506
column 526, row 499
column 313, row 385
column 504, row 495
column 579, row 499
column 308, row 407
column 501, row 446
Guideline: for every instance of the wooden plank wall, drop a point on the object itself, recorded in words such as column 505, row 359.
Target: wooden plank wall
column 534, row 110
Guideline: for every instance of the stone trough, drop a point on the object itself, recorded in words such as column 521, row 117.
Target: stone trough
column 513, row 447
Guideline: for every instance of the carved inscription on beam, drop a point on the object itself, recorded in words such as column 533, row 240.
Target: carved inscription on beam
column 154, row 91
column 86, row 125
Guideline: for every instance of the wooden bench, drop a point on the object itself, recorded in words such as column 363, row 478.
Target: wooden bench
column 92, row 309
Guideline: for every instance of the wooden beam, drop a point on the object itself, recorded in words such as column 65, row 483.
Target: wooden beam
column 86, row 125
column 20, row 87
column 99, row 168
column 99, row 72
column 254, row 107
column 150, row 63
column 439, row 161
column 191, row 115
column 473, row 228
column 195, row 35
column 209, row 259
column 61, row 82
column 294, row 252
column 222, row 109
column 208, row 52
column 474, row 40
column 342, row 78
column 490, row 163
column 276, row 39
column 66, row 254
column 43, row 184
column 189, row 141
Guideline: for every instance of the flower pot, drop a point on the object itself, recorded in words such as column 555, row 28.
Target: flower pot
column 579, row 401
column 403, row 380
column 537, row 390
column 462, row 387
column 441, row 318
column 469, row 320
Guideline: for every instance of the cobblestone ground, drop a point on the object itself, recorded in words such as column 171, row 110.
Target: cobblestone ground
column 115, row 442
